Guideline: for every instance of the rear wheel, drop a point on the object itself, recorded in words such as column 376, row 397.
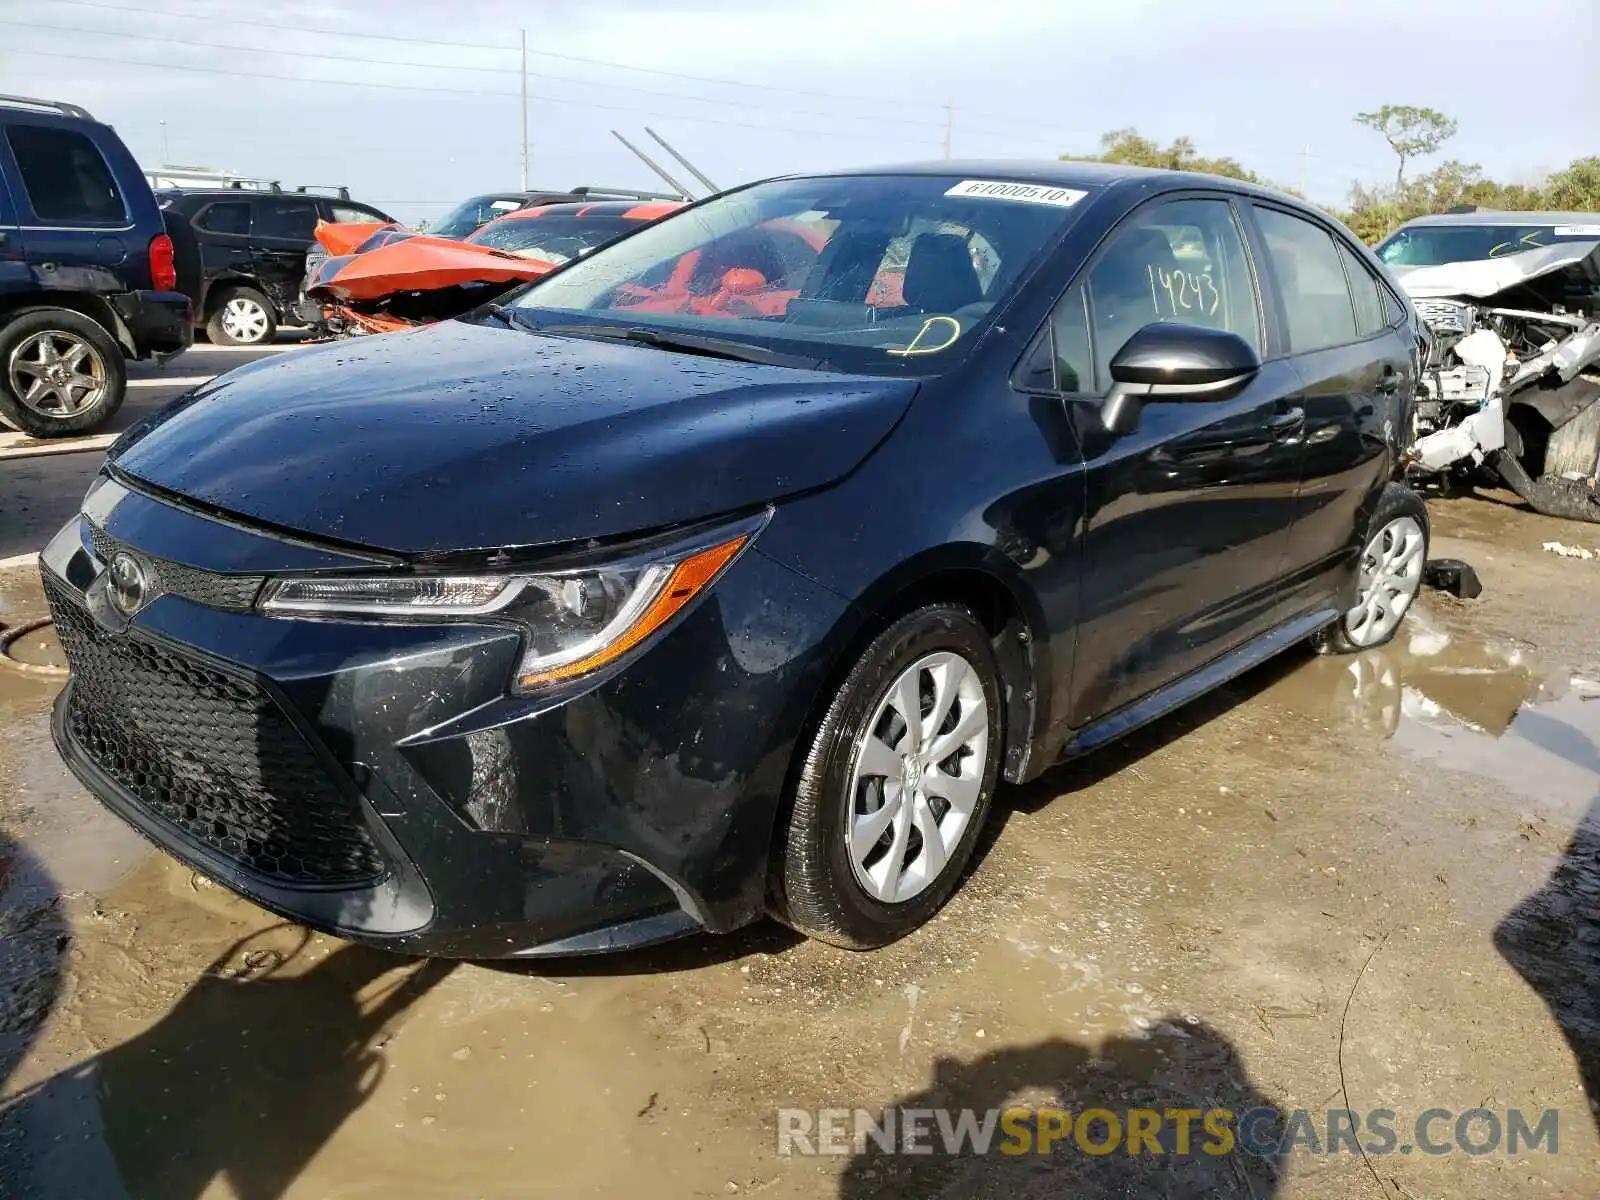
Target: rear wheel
column 1392, row 559
column 242, row 317
column 60, row 373
column 895, row 784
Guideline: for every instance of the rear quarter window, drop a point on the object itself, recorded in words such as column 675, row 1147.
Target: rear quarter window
column 65, row 176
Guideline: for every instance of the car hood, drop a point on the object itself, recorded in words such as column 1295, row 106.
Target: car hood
column 465, row 436
column 1485, row 278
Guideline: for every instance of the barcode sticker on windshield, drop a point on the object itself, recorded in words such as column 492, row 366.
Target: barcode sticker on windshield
column 1578, row 230
column 1027, row 193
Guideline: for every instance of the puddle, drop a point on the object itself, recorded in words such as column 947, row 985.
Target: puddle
column 34, row 646
column 1465, row 704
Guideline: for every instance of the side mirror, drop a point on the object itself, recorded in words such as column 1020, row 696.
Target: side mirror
column 1168, row 361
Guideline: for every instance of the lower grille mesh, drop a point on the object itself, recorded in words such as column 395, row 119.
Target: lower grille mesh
column 212, row 754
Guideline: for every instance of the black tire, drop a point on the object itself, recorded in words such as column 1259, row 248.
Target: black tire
column 103, row 356
column 1398, row 501
column 218, row 333
column 814, row 887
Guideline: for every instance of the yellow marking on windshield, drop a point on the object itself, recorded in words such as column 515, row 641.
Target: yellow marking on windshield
column 915, row 346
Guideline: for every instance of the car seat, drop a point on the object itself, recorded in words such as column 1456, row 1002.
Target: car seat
column 940, row 277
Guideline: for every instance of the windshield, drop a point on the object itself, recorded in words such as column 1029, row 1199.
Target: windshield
column 469, row 214
column 893, row 274
column 1432, row 245
column 551, row 238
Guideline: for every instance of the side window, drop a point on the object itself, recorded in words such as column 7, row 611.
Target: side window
column 1316, row 300
column 1394, row 312
column 231, row 216
column 352, row 216
column 290, row 220
column 1069, row 331
column 66, row 178
column 1365, row 291
column 1180, row 261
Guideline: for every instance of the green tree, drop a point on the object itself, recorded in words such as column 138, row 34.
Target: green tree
column 1132, row 148
column 1576, row 189
column 1411, row 132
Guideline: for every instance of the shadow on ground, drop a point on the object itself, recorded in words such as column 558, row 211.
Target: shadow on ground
column 242, row 1082
column 1552, row 939
column 1179, row 1066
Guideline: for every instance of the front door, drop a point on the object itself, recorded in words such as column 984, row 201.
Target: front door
column 1188, row 517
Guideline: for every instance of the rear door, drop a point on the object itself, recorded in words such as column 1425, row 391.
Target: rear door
column 73, row 215
column 15, row 276
column 282, row 229
column 222, row 235
column 1189, row 516
column 1334, row 319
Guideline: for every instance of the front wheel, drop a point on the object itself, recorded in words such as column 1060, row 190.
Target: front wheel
column 895, row 783
column 1392, row 560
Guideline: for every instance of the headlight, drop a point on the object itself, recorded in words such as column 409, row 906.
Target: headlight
column 573, row 622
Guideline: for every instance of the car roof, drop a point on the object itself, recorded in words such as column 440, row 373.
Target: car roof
column 256, row 194
column 1058, row 173
column 1500, row 216
column 638, row 210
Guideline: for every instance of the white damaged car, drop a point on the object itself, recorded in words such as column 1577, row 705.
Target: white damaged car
column 1512, row 300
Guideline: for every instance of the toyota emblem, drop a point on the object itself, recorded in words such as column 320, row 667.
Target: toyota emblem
column 129, row 586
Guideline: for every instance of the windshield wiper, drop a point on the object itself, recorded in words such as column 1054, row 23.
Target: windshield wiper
column 687, row 343
column 512, row 318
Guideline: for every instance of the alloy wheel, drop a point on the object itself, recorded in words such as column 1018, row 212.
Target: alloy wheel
column 915, row 777
column 244, row 320
column 56, row 374
column 1391, row 574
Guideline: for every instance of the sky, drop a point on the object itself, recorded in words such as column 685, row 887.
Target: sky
column 414, row 104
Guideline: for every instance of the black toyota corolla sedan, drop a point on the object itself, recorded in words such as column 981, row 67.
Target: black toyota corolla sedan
column 729, row 569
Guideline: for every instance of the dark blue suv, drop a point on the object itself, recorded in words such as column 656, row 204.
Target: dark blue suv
column 86, row 270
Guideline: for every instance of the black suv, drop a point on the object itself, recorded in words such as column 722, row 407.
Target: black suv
column 86, row 269
column 242, row 254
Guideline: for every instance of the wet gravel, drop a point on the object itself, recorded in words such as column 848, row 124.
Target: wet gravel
column 1374, row 877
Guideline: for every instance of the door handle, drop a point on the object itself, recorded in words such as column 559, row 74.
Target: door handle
column 1287, row 424
column 1388, row 382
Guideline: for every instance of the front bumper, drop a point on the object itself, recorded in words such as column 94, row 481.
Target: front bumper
column 284, row 758
column 160, row 325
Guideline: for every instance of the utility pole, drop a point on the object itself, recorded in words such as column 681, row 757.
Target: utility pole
column 166, row 155
column 1305, row 162
column 524, row 110
column 949, row 126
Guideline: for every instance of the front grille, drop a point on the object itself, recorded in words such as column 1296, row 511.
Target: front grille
column 1444, row 316
column 212, row 754
column 235, row 593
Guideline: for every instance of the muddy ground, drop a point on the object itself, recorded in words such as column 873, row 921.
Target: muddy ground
column 1371, row 882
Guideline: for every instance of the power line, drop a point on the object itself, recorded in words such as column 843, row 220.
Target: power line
column 388, row 62
column 406, row 87
column 507, row 48
column 857, row 98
